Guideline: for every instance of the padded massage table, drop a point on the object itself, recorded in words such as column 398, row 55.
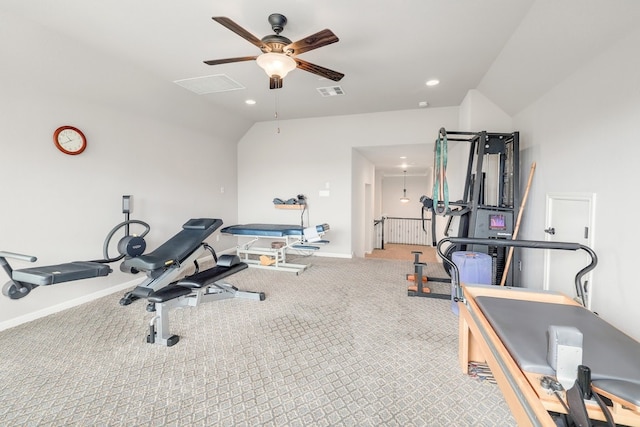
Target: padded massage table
column 290, row 237
column 506, row 328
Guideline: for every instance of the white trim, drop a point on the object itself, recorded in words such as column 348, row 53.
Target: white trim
column 16, row 321
column 332, row 255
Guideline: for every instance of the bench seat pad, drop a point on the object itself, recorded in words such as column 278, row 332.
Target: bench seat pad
column 51, row 274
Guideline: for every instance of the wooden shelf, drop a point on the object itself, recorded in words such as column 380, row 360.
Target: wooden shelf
column 295, row 207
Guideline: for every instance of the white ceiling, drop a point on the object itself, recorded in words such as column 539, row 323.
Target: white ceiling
column 511, row 50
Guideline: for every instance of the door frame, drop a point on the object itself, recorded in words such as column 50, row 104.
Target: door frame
column 590, row 199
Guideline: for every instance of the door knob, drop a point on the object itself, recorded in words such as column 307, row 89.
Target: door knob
column 550, row 230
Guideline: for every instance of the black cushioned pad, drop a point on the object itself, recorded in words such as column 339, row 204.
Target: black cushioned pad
column 211, row 275
column 51, row 274
column 267, row 230
column 609, row 353
column 168, row 293
column 179, row 247
column 198, row 280
column 306, row 247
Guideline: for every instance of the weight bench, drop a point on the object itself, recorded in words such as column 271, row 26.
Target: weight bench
column 201, row 287
column 167, row 263
column 165, row 287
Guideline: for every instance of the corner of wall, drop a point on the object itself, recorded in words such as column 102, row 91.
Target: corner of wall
column 477, row 112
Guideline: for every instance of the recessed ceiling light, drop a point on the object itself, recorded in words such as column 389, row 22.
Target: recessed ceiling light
column 433, row 82
column 403, row 157
column 423, row 104
column 250, row 101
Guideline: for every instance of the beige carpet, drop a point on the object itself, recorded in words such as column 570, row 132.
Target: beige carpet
column 339, row 345
column 403, row 252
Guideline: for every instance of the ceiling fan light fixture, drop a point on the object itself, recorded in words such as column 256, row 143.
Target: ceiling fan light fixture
column 276, row 64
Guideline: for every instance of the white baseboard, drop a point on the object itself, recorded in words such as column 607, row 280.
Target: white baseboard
column 332, row 255
column 65, row 305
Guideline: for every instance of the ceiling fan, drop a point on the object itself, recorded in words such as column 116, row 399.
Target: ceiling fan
column 279, row 54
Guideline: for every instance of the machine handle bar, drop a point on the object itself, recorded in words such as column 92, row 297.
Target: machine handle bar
column 533, row 244
column 21, row 257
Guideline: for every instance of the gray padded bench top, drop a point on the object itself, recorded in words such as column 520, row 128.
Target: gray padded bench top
column 52, row 274
column 177, row 248
column 612, row 356
column 266, row 230
column 269, row 230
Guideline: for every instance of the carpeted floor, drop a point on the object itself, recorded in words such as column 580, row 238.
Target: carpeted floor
column 339, row 345
column 404, row 252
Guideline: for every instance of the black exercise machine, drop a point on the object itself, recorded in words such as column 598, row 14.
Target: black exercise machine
column 419, row 288
column 24, row 280
column 198, row 288
column 493, row 164
column 165, row 287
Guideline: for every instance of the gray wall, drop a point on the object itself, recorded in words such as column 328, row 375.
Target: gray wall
column 308, row 154
column 145, row 138
column 583, row 134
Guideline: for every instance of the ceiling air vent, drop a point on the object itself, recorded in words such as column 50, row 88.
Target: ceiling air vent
column 209, row 84
column 330, row 91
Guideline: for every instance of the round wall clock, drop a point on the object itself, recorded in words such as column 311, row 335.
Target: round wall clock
column 69, row 140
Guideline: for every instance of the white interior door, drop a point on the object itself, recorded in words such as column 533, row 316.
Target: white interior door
column 569, row 219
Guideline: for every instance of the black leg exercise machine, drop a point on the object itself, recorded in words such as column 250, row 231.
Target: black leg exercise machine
column 24, row 280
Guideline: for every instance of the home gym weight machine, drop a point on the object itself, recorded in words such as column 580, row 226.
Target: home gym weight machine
column 24, row 280
column 490, row 202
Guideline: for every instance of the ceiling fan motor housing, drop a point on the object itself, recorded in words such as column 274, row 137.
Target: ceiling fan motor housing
column 277, row 21
column 276, row 42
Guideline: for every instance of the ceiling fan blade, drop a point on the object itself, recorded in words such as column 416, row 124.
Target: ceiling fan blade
column 316, row 69
column 228, row 23
column 228, row 60
column 314, row 41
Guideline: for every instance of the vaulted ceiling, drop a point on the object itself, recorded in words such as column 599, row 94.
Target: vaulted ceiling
column 513, row 51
